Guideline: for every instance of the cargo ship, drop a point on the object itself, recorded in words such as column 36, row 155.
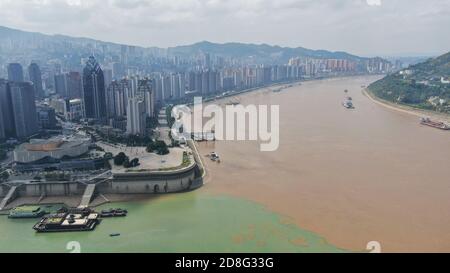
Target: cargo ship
column 434, row 124
column 71, row 220
column 24, row 212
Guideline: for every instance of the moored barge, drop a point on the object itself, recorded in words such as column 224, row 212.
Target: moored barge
column 72, row 220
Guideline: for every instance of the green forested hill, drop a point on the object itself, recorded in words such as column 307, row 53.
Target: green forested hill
column 423, row 85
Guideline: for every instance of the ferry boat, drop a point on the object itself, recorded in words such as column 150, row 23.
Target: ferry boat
column 73, row 220
column 434, row 124
column 26, row 212
column 214, row 157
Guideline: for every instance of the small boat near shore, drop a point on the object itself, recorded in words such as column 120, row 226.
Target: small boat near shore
column 278, row 90
column 434, row 124
column 113, row 213
column 234, row 101
column 24, row 212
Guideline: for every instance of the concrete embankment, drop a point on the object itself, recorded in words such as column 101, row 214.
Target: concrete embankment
column 154, row 182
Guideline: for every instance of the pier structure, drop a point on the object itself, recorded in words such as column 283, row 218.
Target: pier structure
column 9, row 197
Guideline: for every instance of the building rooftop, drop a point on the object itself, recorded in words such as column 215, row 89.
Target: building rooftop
column 56, row 147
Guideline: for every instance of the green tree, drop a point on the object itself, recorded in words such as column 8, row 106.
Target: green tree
column 119, row 159
column 159, row 147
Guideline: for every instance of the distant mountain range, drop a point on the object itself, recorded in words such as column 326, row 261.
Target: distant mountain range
column 424, row 85
column 263, row 51
column 14, row 41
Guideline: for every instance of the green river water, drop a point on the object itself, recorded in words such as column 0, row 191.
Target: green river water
column 189, row 222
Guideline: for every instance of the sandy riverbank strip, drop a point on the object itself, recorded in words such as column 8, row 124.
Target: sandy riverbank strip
column 407, row 109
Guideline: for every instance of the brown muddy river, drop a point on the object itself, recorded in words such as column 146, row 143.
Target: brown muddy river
column 352, row 176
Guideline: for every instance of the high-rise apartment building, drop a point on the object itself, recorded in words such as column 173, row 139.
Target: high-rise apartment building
column 73, row 85
column 15, row 72
column 6, row 109
column 145, row 88
column 2, row 126
column 24, row 109
column 61, row 85
column 34, row 72
column 136, row 116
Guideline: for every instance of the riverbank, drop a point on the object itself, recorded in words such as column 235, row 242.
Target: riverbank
column 274, row 86
column 407, row 109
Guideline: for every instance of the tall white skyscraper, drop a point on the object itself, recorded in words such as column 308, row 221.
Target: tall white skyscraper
column 136, row 116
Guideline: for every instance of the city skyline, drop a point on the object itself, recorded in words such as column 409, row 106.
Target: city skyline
column 376, row 27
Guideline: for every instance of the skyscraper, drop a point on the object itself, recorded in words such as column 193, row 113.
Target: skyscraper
column 136, row 116
column 110, row 99
column 207, row 60
column 212, row 80
column 94, row 90
column 73, row 85
column 182, row 80
column 118, row 71
column 6, row 109
column 145, row 88
column 61, row 85
column 117, row 98
column 124, row 54
column 2, row 126
column 175, row 83
column 198, row 82
column 191, row 81
column 167, row 88
column 15, row 72
column 35, row 75
column 108, row 75
column 158, row 88
column 205, row 83
column 24, row 108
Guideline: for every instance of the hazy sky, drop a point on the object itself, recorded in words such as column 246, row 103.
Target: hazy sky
column 365, row 27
